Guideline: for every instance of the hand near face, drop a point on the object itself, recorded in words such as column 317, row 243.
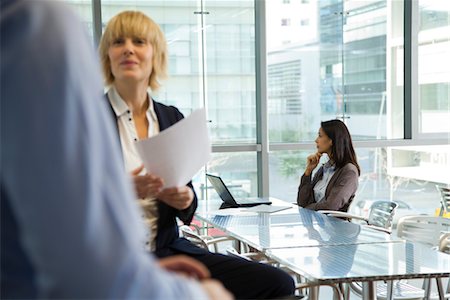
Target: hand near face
column 177, row 197
column 146, row 185
column 312, row 161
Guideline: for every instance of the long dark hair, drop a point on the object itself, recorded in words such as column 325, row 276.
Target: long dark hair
column 342, row 151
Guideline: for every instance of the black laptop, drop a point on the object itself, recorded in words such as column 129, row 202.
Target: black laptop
column 228, row 199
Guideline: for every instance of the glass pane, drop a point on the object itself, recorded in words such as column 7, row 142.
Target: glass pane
column 285, row 170
column 304, row 67
column 434, row 66
column 345, row 63
column 84, row 10
column 406, row 175
column 230, row 70
column 238, row 171
column 180, row 26
column 372, row 35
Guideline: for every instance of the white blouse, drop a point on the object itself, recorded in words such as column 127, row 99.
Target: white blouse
column 128, row 138
column 321, row 186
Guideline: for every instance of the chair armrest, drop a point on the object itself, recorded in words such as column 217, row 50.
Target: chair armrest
column 388, row 231
column 215, row 240
column 341, row 214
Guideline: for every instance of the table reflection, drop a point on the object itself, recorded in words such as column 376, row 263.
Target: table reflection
column 326, row 232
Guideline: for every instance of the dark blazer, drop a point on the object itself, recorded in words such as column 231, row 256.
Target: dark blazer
column 168, row 238
column 339, row 194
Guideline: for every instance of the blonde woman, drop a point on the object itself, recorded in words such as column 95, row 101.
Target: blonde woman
column 133, row 53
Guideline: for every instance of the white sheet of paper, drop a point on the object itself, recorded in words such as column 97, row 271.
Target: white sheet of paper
column 179, row 152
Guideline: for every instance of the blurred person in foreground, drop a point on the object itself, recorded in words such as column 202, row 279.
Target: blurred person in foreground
column 133, row 52
column 69, row 227
column 334, row 185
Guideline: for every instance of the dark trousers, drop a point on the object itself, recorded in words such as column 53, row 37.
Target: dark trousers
column 245, row 279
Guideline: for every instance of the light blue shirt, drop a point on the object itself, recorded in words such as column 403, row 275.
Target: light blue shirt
column 321, row 186
column 62, row 183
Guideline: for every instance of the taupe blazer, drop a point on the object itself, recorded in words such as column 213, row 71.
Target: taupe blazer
column 339, row 193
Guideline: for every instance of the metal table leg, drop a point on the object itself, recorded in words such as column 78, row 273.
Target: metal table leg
column 390, row 286
column 314, row 293
column 369, row 290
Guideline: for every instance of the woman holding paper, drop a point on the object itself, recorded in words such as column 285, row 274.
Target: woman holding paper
column 133, row 54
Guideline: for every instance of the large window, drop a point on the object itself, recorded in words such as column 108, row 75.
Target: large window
column 325, row 59
column 339, row 66
column 427, row 165
column 349, row 64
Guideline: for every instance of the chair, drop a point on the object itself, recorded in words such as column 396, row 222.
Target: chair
column 202, row 241
column 445, row 199
column 380, row 218
column 422, row 229
column 433, row 232
column 380, row 215
column 251, row 256
column 444, row 246
column 444, row 243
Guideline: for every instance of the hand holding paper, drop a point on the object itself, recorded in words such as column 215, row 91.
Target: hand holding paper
column 179, row 152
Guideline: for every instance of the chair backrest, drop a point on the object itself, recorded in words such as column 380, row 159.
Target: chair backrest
column 423, row 229
column 381, row 214
column 444, row 243
column 445, row 199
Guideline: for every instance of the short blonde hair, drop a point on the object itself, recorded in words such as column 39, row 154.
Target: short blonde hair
column 135, row 24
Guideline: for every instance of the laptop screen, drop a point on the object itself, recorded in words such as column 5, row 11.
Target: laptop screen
column 221, row 189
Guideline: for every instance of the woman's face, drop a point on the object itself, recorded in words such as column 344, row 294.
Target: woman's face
column 131, row 59
column 323, row 142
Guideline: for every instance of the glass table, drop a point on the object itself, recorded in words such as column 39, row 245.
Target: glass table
column 326, row 250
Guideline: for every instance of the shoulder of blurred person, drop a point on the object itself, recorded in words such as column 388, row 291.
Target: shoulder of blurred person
column 69, row 228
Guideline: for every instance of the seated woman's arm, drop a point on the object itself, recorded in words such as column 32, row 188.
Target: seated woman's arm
column 305, row 194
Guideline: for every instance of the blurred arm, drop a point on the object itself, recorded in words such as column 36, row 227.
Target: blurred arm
column 61, row 168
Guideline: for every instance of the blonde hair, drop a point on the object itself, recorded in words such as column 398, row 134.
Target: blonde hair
column 135, row 24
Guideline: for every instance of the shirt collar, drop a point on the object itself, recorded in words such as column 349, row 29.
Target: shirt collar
column 329, row 166
column 120, row 107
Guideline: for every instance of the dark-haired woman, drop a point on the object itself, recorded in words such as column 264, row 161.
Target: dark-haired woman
column 334, row 185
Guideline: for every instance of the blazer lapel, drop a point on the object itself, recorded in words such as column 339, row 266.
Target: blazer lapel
column 163, row 121
column 318, row 176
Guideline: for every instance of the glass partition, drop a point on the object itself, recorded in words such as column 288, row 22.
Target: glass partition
column 326, row 59
column 434, row 67
column 335, row 59
column 229, row 65
column 84, row 10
